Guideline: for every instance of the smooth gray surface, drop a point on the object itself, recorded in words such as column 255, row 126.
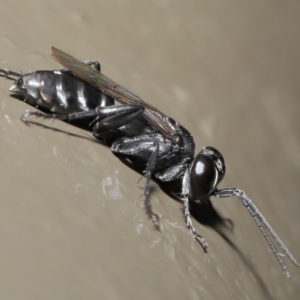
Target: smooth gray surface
column 72, row 224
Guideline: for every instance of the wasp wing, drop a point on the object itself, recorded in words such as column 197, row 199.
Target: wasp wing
column 153, row 116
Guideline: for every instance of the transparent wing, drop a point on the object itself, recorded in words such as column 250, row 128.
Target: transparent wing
column 153, row 116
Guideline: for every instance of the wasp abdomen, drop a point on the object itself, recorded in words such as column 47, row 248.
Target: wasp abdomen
column 59, row 92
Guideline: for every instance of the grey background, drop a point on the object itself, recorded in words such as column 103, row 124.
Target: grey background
column 72, row 225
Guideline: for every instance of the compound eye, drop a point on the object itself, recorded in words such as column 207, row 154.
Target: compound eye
column 207, row 171
column 203, row 177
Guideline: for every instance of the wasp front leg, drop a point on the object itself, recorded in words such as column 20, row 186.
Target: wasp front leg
column 187, row 214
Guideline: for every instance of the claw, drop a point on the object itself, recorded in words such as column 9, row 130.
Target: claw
column 155, row 220
column 201, row 240
column 24, row 117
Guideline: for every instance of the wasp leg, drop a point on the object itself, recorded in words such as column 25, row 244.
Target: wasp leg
column 148, row 174
column 106, row 118
column 109, row 119
column 171, row 173
column 199, row 238
column 11, row 75
column 185, row 194
column 141, row 146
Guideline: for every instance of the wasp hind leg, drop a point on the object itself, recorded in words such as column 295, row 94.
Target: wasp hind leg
column 11, row 75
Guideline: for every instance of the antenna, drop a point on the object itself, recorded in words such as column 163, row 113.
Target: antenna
column 266, row 229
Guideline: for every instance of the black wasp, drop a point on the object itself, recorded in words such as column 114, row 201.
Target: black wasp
column 136, row 131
